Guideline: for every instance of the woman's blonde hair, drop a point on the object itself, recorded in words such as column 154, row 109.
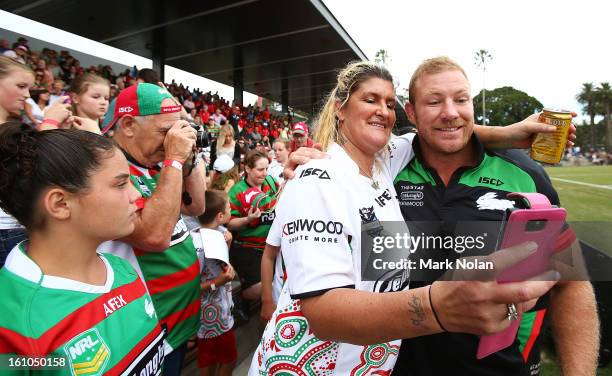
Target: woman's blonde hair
column 347, row 81
column 7, row 65
column 224, row 131
column 284, row 141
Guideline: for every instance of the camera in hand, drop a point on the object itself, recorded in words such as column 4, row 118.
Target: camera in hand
column 202, row 137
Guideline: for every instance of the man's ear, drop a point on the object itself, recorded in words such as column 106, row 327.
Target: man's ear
column 410, row 111
column 56, row 202
column 127, row 124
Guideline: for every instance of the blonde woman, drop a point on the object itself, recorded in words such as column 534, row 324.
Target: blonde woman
column 225, row 144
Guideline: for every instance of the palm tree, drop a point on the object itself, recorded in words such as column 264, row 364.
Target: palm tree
column 604, row 96
column 382, row 57
column 482, row 57
column 587, row 97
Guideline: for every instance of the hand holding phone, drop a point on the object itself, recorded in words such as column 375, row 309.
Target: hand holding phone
column 539, row 222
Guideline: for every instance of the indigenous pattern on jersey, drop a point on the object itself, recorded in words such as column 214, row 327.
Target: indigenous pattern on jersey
column 110, row 329
column 474, row 193
column 253, row 235
column 216, row 317
column 327, row 227
column 172, row 276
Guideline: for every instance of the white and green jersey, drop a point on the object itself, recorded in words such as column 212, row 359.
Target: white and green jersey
column 318, row 226
column 110, row 329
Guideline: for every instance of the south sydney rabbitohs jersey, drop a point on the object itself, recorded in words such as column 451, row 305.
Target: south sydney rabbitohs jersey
column 110, row 329
column 254, row 234
column 320, row 216
column 172, row 277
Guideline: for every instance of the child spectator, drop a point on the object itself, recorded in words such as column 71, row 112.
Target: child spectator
column 217, row 351
column 224, row 174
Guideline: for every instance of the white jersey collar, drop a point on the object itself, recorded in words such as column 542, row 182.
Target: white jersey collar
column 21, row 265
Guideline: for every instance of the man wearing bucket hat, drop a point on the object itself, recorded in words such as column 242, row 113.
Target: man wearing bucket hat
column 160, row 148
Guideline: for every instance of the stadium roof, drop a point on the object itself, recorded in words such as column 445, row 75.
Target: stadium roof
column 287, row 51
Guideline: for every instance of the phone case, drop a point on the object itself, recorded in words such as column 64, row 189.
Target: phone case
column 515, row 233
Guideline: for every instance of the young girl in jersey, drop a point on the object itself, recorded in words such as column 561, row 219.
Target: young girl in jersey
column 71, row 191
column 90, row 98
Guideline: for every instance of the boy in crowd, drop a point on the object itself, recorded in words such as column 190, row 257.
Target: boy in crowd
column 217, row 352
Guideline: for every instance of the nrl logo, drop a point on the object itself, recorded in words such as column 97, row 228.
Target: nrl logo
column 87, row 354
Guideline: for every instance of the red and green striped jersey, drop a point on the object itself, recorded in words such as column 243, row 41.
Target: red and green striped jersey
column 110, row 329
column 172, row 276
column 254, row 234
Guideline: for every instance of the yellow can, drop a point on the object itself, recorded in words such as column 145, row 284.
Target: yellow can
column 549, row 147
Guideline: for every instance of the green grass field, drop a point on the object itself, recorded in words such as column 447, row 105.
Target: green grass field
column 590, row 212
column 589, row 206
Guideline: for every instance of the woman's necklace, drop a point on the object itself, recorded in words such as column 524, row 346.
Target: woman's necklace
column 370, row 176
column 374, row 184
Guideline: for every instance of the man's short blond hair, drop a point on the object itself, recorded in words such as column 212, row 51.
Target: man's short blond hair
column 432, row 66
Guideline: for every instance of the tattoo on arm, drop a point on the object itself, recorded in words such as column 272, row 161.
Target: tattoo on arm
column 416, row 308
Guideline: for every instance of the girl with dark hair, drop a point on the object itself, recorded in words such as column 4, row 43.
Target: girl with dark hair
column 60, row 298
column 36, row 105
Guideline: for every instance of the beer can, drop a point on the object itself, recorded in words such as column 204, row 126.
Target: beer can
column 549, row 147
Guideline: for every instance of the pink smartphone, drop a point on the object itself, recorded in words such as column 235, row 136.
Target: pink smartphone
column 539, row 222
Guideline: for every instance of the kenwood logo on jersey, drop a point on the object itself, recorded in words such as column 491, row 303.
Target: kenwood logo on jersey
column 321, row 174
column 313, row 225
column 490, row 181
column 313, row 230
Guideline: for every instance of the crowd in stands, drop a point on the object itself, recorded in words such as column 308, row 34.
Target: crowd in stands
column 243, row 140
column 56, row 71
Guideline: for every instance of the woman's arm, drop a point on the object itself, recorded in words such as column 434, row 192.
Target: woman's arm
column 467, row 304
column 267, row 276
column 238, row 223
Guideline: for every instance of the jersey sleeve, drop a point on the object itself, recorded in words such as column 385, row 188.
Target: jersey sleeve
column 274, row 235
column 312, row 219
column 399, row 152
